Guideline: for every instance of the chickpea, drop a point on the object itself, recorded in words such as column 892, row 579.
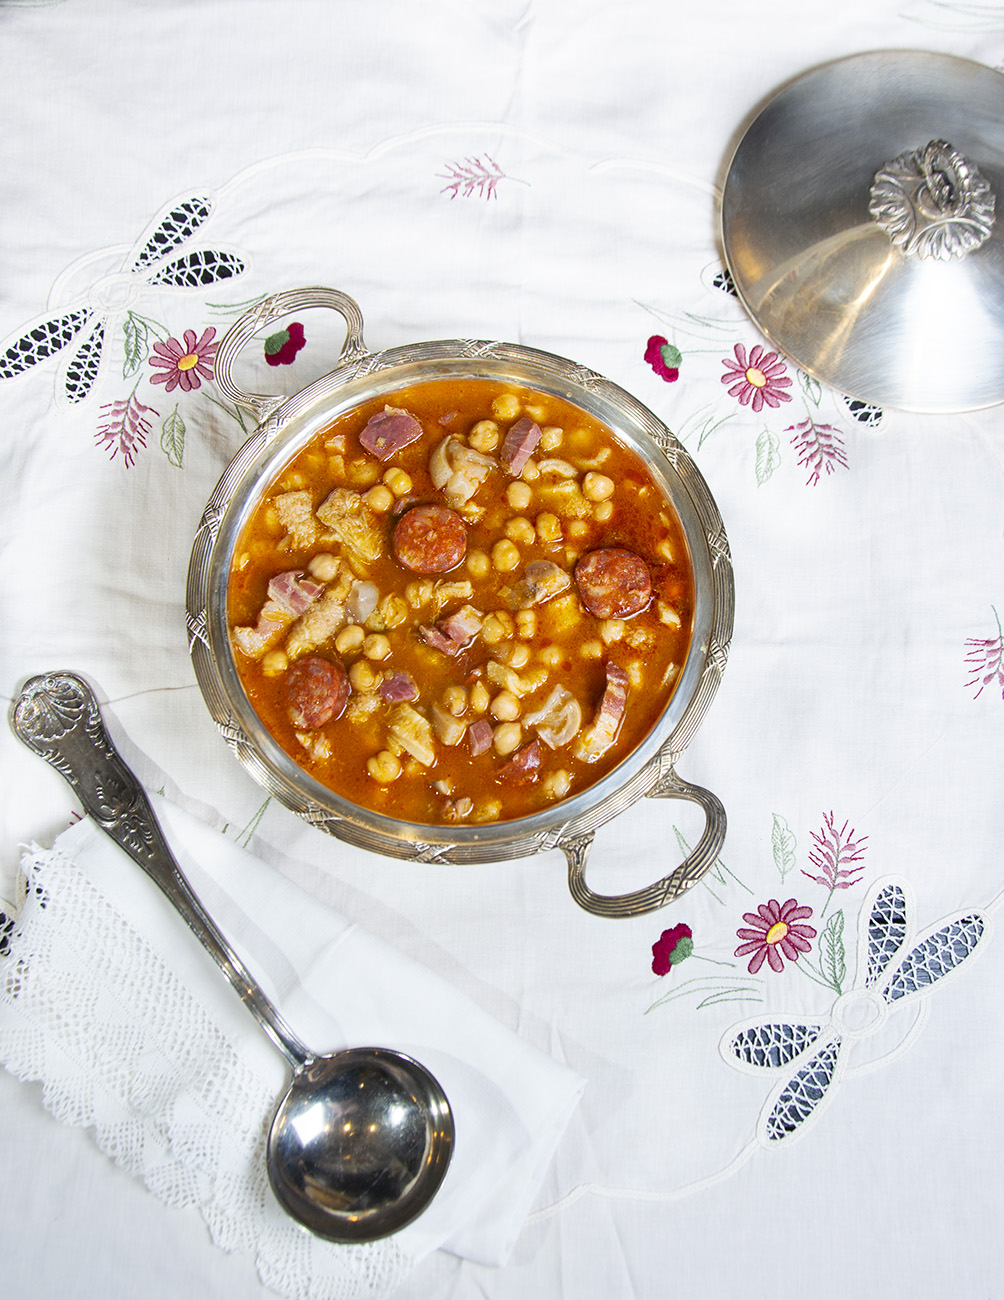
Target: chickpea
column 478, row 564
column 376, row 646
column 398, row 481
column 324, row 567
column 379, row 498
column 496, row 627
column 612, row 629
column 549, row 528
column 603, row 512
column 506, row 737
column 552, row 656
column 274, row 663
column 557, row 784
column 455, row 700
column 516, row 655
column 479, row 697
column 591, row 650
column 349, row 639
column 551, row 437
column 384, row 767
column 506, row 407
column 505, row 707
column 526, row 623
column 519, row 495
column 597, row 487
column 520, row 530
column 505, row 556
column 530, row 471
column 488, row 810
column 484, row 436
column 363, row 473
column 577, row 529
column 536, row 412
column 362, row 676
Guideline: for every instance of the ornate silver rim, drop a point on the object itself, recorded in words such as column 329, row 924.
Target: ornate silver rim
column 649, row 769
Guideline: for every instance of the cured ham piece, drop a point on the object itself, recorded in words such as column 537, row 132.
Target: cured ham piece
column 389, row 431
column 454, row 633
column 479, row 736
column 597, row 739
column 397, row 688
column 518, row 446
column 290, row 594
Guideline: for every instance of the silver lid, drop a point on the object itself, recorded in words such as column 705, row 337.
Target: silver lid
column 863, row 226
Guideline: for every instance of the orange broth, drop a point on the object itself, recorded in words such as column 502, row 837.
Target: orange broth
column 556, row 511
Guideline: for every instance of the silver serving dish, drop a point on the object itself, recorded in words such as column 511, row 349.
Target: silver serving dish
column 285, row 425
column 862, row 224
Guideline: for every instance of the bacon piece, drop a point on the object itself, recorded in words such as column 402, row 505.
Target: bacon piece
column 289, row 595
column 292, row 592
column 597, row 739
column 524, row 766
column 479, row 736
column 398, row 687
column 389, row 431
column 519, row 445
column 454, row 633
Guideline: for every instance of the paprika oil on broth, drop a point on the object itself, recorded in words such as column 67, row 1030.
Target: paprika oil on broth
column 460, row 603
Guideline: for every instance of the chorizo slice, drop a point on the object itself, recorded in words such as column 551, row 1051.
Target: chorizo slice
column 317, row 691
column 613, row 582
column 430, row 539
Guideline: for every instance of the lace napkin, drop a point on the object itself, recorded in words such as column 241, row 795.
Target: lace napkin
column 107, row 999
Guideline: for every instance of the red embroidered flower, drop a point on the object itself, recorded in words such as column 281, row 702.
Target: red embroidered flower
column 282, row 347
column 663, row 358
column 672, row 947
column 773, row 931
column 181, row 364
column 759, row 378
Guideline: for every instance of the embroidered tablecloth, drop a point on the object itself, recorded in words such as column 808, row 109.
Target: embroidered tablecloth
column 792, row 1072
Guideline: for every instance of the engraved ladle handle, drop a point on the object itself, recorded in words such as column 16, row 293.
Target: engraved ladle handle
column 57, row 716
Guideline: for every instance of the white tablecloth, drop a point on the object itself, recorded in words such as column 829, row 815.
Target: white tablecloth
column 545, row 173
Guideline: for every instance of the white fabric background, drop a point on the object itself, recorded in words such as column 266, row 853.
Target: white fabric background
column 326, row 133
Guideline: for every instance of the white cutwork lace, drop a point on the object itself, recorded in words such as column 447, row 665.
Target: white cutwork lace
column 144, row 1065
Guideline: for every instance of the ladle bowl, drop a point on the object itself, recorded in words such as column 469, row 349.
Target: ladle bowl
column 361, row 1140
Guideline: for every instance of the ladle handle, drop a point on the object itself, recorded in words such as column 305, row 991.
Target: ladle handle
column 57, row 716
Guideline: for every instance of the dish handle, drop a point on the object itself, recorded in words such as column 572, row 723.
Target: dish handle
column 669, row 888
column 263, row 314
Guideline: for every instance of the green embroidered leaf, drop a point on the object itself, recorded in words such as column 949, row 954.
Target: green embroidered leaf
column 671, row 356
column 276, row 342
column 810, row 386
column 832, row 961
column 783, row 843
column 137, row 335
column 172, row 438
column 768, row 456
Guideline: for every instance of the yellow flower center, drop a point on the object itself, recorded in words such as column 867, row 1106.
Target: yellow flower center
column 189, row 360
column 777, row 932
column 756, row 377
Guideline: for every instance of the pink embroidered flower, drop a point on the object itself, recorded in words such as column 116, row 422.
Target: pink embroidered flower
column 672, row 947
column 759, row 378
column 663, row 358
column 281, row 348
column 774, row 930
column 181, row 364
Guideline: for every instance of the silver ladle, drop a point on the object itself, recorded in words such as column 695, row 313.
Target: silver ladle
column 361, row 1140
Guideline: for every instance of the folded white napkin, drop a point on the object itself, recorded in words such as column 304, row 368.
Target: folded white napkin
column 107, row 999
